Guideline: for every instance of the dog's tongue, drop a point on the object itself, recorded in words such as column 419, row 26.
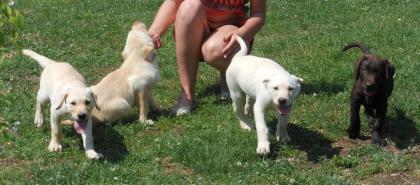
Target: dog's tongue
column 284, row 110
column 80, row 126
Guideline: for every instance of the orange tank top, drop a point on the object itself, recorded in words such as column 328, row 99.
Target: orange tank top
column 218, row 7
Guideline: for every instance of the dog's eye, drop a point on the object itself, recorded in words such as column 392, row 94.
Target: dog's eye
column 87, row 102
column 276, row 88
column 73, row 103
column 291, row 88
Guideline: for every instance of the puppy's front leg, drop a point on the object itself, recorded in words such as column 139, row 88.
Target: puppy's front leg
column 378, row 126
column 281, row 132
column 354, row 129
column 143, row 103
column 370, row 115
column 263, row 147
column 88, row 142
column 56, row 134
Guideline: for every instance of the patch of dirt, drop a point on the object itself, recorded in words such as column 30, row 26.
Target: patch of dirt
column 173, row 167
column 11, row 162
column 179, row 130
column 151, row 131
column 411, row 176
column 9, row 55
column 402, row 178
column 345, row 144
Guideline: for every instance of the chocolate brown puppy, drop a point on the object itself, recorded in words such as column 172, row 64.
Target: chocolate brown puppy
column 374, row 82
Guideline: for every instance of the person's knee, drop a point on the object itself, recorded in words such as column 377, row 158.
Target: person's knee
column 212, row 52
column 189, row 9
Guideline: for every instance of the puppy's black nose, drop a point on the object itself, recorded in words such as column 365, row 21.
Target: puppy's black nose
column 81, row 116
column 369, row 86
column 282, row 101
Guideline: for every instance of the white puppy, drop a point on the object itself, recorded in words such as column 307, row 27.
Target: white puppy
column 65, row 88
column 265, row 84
column 130, row 85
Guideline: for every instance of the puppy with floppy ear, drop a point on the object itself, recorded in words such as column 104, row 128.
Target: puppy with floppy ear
column 259, row 84
column 374, row 83
column 131, row 84
column 65, row 88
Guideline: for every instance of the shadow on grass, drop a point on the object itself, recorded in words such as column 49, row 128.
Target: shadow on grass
column 110, row 143
column 313, row 143
column 324, row 88
column 213, row 89
column 402, row 130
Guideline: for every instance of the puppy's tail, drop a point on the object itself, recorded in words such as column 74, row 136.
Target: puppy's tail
column 360, row 45
column 244, row 49
column 42, row 60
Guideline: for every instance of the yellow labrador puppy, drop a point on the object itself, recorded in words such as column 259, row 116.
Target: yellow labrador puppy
column 65, row 88
column 130, row 85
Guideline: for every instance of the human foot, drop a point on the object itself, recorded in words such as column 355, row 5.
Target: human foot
column 184, row 106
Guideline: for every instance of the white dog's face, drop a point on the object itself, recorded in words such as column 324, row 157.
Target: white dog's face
column 139, row 40
column 283, row 92
column 80, row 105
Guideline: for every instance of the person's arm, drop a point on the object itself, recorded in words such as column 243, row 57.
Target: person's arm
column 164, row 18
column 255, row 21
column 252, row 25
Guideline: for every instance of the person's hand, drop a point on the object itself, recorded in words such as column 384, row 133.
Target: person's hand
column 156, row 41
column 231, row 47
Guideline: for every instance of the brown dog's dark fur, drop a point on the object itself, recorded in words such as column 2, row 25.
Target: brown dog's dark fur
column 373, row 85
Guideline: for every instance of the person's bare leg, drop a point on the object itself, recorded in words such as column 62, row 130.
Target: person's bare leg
column 190, row 30
column 213, row 54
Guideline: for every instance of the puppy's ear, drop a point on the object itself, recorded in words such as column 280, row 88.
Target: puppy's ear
column 63, row 100
column 149, row 53
column 93, row 95
column 389, row 69
column 138, row 26
column 358, row 64
column 299, row 80
column 125, row 51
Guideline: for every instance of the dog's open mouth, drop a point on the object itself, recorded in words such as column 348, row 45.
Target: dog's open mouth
column 80, row 126
column 284, row 110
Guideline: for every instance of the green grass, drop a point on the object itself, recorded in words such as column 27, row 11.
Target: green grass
column 208, row 147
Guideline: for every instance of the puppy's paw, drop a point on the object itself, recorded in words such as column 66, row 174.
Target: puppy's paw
column 263, row 148
column 91, row 154
column 54, row 146
column 284, row 139
column 39, row 120
column 377, row 140
column 245, row 126
column 147, row 122
column 353, row 133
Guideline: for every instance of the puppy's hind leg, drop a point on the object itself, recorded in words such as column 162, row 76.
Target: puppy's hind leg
column 238, row 101
column 281, row 132
column 41, row 100
column 248, row 105
column 143, row 103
